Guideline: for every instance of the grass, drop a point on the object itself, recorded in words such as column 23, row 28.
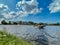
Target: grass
column 8, row 39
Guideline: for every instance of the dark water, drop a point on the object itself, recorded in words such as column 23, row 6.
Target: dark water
column 50, row 35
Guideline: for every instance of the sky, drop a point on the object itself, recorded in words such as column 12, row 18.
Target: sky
column 47, row 11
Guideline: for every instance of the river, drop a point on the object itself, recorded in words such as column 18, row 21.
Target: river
column 50, row 35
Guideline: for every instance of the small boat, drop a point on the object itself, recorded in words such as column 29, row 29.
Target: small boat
column 41, row 26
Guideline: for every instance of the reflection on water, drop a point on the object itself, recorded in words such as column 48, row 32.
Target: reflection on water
column 42, row 39
column 47, row 36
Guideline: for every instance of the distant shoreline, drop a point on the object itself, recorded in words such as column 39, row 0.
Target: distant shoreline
column 30, row 25
column 53, row 25
column 4, row 22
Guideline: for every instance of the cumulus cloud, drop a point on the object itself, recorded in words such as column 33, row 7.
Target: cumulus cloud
column 3, row 7
column 5, row 13
column 28, row 7
column 23, row 7
column 54, row 6
column 8, row 15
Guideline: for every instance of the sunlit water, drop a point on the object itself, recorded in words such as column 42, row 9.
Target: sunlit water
column 50, row 35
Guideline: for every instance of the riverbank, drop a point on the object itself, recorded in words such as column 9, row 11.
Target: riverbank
column 53, row 25
column 8, row 39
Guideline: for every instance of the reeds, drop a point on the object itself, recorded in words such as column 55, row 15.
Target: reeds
column 8, row 39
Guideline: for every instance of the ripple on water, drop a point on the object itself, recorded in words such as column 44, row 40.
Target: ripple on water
column 32, row 33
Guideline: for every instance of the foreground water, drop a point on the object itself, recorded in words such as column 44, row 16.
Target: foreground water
column 50, row 35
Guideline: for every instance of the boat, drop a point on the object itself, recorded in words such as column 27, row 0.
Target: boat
column 41, row 26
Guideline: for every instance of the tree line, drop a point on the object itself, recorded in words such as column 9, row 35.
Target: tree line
column 3, row 22
column 54, row 24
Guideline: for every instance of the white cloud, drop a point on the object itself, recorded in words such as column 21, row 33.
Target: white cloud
column 12, row 14
column 21, row 14
column 36, row 10
column 24, row 8
column 28, row 7
column 8, row 15
column 54, row 6
column 4, row 12
column 3, row 7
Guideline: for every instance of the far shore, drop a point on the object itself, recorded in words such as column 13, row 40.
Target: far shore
column 29, row 25
column 53, row 25
column 4, row 22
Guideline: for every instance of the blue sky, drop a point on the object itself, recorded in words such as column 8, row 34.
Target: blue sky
column 47, row 11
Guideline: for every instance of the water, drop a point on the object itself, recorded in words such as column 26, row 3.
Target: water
column 50, row 35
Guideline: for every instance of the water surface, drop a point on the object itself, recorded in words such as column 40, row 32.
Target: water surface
column 49, row 35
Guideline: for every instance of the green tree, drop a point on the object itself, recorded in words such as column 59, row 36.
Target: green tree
column 9, row 22
column 15, row 23
column 30, row 22
column 20, row 22
column 4, row 22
